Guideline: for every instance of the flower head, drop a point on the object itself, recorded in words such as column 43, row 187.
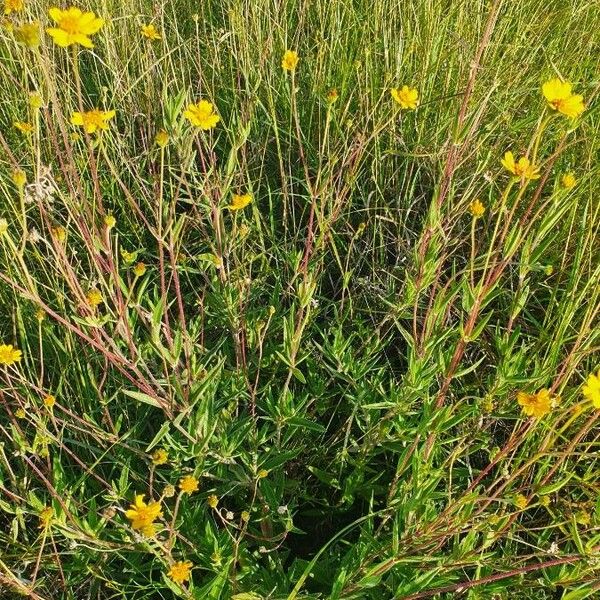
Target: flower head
column 180, row 571
column 11, row 6
column 28, row 34
column 332, row 96
column 202, row 114
column 150, row 32
column 568, row 180
column 19, row 178
column 239, row 201
column 94, row 297
column 591, row 389
column 521, row 168
column 139, row 270
column 46, row 515
column 406, row 97
column 59, row 233
column 9, row 355
column 3, row 226
column 23, row 127
column 160, row 457
column 521, row 501
column 560, row 97
column 213, row 501
column 110, row 221
column 476, row 208
column 290, row 59
column 162, row 138
column 93, row 120
column 49, row 401
column 188, row 484
column 536, row 405
column 73, row 27
column 142, row 515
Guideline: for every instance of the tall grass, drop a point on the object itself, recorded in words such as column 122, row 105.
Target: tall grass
column 338, row 364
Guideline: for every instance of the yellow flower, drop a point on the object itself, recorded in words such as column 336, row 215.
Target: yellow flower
column 239, row 201
column 202, row 114
column 74, row 27
column 188, row 484
column 9, row 355
column 180, row 571
column 406, row 97
column 19, row 178
column 3, row 226
column 523, row 168
column 150, row 32
column 25, row 128
column 536, row 405
column 20, row 413
column 28, row 34
column 139, row 270
column 213, row 501
column 35, row 101
column 568, row 180
column 160, row 457
column 290, row 60
column 162, row 138
column 262, row 474
column 127, row 256
column 110, row 221
column 49, row 401
column 142, row 515
column 560, row 97
column 94, row 297
column 11, row 6
column 591, row 389
column 476, row 208
column 59, row 233
column 521, row 501
column 245, row 516
column 93, row 120
column 46, row 515
column 332, row 96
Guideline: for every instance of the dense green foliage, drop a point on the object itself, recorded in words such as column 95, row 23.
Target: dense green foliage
column 337, row 363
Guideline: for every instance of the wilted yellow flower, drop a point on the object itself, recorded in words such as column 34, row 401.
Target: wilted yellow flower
column 93, row 120
column 523, row 168
column 46, row 515
column 9, row 355
column 188, row 484
column 139, row 270
column 59, row 233
column 169, row 491
column 476, row 208
column 160, row 457
column 290, row 60
column 245, row 516
column 213, row 501
column 568, row 180
column 202, row 114
column 19, row 178
column 150, row 32
column 40, row 314
column 162, row 138
column 73, row 27
column 142, row 515
column 49, row 401
column 94, row 297
column 11, row 6
column 535, row 405
column 521, row 501
column 110, row 221
column 239, row 201
column 3, row 226
column 591, row 389
column 560, row 97
column 28, row 34
column 406, row 97
column 180, row 571
column 332, row 96
column 23, row 127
